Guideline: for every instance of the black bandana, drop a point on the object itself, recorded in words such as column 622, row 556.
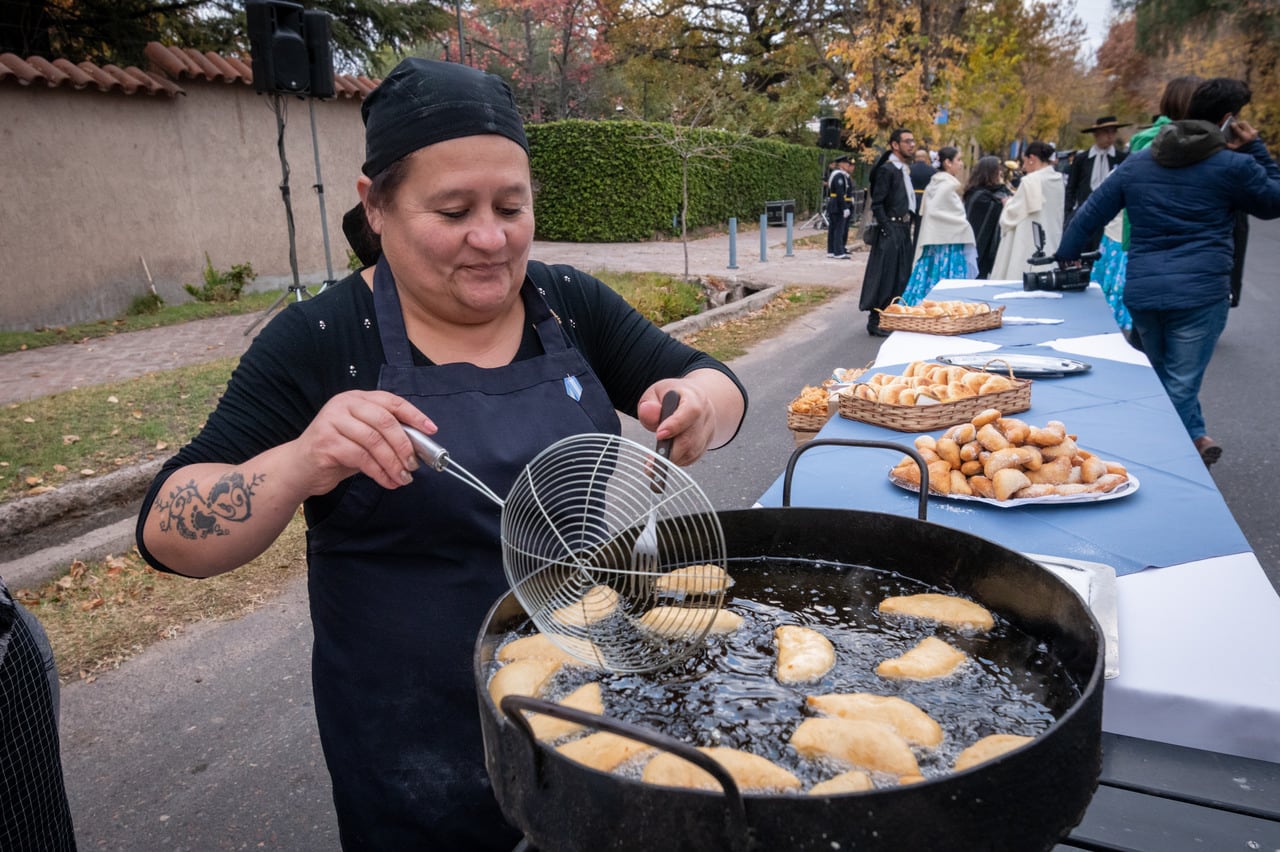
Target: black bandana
column 423, row 102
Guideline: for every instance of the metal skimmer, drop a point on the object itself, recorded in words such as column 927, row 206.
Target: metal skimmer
column 569, row 526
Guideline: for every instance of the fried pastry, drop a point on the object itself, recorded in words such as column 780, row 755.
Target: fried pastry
column 597, row 604
column 930, row 659
column 586, row 697
column 603, row 751
column 945, row 609
column 803, row 654
column 538, row 647
column 522, row 677
column 909, row 721
column 988, row 748
column 694, row 580
column 751, row 771
column 853, row 781
column 676, row 622
column 855, row 743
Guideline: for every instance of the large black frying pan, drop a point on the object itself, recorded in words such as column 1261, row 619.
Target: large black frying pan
column 1025, row 800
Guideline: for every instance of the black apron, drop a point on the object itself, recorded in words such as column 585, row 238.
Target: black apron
column 400, row 582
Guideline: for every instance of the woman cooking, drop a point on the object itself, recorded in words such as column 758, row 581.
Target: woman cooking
column 455, row 332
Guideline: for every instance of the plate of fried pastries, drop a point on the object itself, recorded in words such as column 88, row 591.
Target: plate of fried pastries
column 1007, row 462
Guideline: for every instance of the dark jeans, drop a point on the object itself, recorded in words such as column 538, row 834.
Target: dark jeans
column 1179, row 345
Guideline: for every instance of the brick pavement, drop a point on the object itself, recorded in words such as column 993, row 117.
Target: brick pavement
column 52, row 369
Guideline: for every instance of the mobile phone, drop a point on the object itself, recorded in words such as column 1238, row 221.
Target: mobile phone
column 1227, row 132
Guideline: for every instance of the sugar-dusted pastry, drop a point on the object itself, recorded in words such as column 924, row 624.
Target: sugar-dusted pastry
column 586, row 697
column 676, row 622
column 602, row 750
column 522, row 677
column 911, row 723
column 988, row 748
column 599, row 602
column 932, row 658
column 858, row 744
column 694, row 580
column 751, row 771
column 853, row 781
column 537, row 646
column 804, row 654
column 947, row 609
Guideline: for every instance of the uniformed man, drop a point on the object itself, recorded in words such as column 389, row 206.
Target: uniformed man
column 839, row 208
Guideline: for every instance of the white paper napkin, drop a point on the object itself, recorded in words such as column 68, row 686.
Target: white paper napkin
column 1008, row 320
column 1028, row 294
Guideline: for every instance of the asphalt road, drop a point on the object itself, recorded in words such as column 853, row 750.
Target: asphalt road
column 208, row 741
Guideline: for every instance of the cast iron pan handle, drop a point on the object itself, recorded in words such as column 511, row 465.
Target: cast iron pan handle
column 854, row 442
column 736, row 817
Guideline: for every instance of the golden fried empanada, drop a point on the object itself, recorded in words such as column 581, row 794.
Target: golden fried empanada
column 598, row 603
column 602, row 750
column 932, row 658
column 694, row 580
column 855, row 743
column 751, row 771
column 947, row 609
column 804, row 654
column 521, row 677
column 912, row 724
column 987, row 748
column 853, row 781
column 586, row 697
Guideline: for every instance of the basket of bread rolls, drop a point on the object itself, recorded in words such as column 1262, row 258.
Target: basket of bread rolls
column 940, row 317
column 1000, row 458
column 932, row 396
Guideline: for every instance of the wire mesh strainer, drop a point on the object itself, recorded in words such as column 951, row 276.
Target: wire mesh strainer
column 569, row 524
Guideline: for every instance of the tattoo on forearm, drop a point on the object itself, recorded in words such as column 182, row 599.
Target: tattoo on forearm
column 193, row 516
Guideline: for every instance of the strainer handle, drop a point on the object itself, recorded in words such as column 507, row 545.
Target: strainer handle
column 736, row 817
column 436, row 456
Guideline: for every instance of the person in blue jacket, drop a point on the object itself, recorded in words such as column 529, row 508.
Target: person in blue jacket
column 1181, row 195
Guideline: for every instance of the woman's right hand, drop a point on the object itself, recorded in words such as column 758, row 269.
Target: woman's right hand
column 359, row 432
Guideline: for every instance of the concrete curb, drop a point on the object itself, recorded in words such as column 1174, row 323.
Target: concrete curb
column 92, row 518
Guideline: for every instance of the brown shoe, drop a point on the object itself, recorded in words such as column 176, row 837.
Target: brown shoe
column 1209, row 450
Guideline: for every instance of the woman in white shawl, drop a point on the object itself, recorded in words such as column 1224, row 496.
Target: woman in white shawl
column 1039, row 201
column 946, row 247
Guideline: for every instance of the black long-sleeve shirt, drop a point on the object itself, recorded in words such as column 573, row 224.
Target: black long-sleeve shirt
column 316, row 349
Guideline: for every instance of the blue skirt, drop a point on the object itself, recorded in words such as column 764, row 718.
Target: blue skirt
column 935, row 263
column 1108, row 273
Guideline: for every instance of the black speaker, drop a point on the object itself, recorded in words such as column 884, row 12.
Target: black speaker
column 281, row 63
column 315, row 27
column 829, row 132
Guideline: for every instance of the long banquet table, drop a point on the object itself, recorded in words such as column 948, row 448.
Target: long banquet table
column 1198, row 621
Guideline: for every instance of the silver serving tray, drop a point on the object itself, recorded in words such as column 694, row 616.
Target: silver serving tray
column 1022, row 365
column 1095, row 583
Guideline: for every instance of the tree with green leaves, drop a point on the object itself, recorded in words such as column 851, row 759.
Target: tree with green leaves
column 117, row 31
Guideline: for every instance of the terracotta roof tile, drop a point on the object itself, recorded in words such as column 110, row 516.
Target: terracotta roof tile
column 168, row 63
column 107, row 78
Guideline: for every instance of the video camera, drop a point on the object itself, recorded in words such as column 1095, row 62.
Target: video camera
column 1071, row 280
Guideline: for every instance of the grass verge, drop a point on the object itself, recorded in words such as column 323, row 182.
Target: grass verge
column 249, row 303
column 100, row 614
column 732, row 339
column 86, row 432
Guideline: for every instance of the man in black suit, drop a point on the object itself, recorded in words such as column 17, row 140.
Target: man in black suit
column 893, row 206
column 1089, row 168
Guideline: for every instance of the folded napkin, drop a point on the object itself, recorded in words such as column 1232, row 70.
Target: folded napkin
column 1028, row 294
column 1008, row 320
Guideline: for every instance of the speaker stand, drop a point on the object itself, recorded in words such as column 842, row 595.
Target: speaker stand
column 319, row 188
column 296, row 289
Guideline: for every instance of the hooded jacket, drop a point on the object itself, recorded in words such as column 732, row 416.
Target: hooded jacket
column 1180, row 194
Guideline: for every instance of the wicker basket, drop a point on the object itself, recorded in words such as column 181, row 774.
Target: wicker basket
column 806, row 422
column 925, row 418
column 802, row 437
column 941, row 325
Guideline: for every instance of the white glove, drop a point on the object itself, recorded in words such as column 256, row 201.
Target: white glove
column 848, row 213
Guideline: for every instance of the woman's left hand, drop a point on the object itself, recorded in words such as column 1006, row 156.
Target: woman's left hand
column 710, row 409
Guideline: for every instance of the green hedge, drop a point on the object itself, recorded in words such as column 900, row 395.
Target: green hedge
column 619, row 181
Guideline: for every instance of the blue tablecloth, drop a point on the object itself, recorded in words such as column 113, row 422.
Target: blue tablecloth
column 1083, row 313
column 1118, row 411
